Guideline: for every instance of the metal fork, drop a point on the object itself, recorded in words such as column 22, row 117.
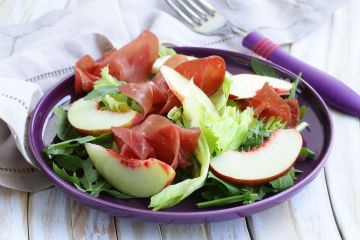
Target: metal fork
column 201, row 17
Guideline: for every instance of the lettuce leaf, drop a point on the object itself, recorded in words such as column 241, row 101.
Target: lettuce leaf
column 112, row 104
column 165, row 51
column 231, row 129
column 107, row 80
column 220, row 98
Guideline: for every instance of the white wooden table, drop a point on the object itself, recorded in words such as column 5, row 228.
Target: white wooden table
column 328, row 208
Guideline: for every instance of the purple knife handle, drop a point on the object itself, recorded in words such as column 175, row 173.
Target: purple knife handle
column 333, row 91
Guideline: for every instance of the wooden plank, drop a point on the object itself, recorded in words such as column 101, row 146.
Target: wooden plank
column 49, row 215
column 182, row 231
column 88, row 223
column 233, row 229
column 129, row 229
column 308, row 215
column 13, row 212
column 342, row 169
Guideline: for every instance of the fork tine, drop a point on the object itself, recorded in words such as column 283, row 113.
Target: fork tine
column 203, row 14
column 187, row 7
column 207, row 7
column 182, row 14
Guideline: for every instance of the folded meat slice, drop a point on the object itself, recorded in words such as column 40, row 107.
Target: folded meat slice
column 85, row 74
column 147, row 94
column 157, row 137
column 131, row 63
column 267, row 103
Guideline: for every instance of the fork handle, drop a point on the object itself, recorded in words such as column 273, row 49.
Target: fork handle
column 333, row 91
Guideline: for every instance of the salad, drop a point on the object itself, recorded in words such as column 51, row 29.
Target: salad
column 151, row 123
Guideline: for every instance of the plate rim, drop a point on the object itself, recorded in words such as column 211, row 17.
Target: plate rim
column 90, row 200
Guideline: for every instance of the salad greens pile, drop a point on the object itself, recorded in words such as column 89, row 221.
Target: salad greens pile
column 223, row 127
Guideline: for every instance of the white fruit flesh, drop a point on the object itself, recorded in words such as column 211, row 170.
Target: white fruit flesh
column 182, row 87
column 158, row 63
column 271, row 160
column 138, row 178
column 87, row 117
column 247, row 85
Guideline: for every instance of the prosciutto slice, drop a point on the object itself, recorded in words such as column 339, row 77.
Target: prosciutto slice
column 157, row 137
column 131, row 63
column 147, row 94
column 267, row 103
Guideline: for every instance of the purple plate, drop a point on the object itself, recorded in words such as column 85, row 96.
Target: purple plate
column 318, row 138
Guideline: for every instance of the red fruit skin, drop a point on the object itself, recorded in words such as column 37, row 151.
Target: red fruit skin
column 255, row 182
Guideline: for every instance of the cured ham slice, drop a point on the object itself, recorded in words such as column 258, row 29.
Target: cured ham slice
column 267, row 103
column 147, row 94
column 131, row 63
column 157, row 137
column 85, row 74
column 207, row 73
column 295, row 112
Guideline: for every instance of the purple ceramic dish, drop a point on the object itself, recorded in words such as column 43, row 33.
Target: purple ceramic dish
column 317, row 138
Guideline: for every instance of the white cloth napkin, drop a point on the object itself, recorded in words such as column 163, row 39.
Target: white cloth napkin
column 35, row 56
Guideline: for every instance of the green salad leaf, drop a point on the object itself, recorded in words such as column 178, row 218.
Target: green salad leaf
column 107, row 84
column 231, row 129
column 106, row 80
column 220, row 98
column 260, row 131
column 97, row 93
column 260, row 68
column 294, row 86
column 165, row 51
column 219, row 192
column 64, row 131
column 175, row 115
column 306, row 153
column 90, row 182
column 68, row 147
column 112, row 104
column 284, row 182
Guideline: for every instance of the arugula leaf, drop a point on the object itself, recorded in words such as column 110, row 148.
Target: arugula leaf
column 230, row 188
column 224, row 201
column 115, row 193
column 90, row 176
column 68, row 162
column 219, row 192
column 165, row 51
column 284, row 182
column 260, row 132
column 261, row 69
column 90, row 182
column 64, row 130
column 67, row 147
column 294, row 86
column 303, row 110
column 307, row 153
column 64, row 175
